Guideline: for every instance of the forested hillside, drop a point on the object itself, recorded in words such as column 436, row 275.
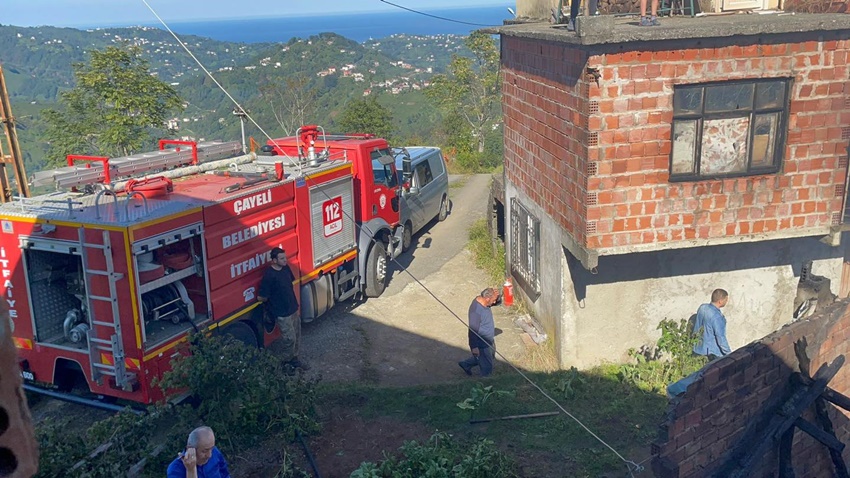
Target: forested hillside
column 328, row 68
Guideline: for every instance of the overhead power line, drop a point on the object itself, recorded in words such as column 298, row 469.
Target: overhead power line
column 631, row 466
column 436, row 16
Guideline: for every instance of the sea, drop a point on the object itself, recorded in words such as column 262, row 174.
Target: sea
column 359, row 27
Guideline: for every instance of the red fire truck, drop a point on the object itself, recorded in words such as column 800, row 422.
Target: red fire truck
column 105, row 277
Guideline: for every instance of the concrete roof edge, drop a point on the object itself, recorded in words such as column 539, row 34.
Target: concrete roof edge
column 607, row 30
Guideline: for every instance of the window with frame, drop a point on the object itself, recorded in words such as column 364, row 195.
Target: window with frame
column 525, row 248
column 423, row 175
column 734, row 128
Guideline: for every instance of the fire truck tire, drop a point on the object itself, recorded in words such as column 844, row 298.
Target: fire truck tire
column 444, row 209
column 376, row 270
column 407, row 237
column 243, row 333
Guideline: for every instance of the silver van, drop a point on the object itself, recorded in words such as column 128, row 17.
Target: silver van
column 425, row 188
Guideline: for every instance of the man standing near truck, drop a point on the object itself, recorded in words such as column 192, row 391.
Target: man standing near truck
column 277, row 292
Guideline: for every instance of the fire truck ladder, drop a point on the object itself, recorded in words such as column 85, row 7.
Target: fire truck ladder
column 98, row 169
column 113, row 345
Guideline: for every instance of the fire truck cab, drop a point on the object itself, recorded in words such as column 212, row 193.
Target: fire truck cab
column 105, row 277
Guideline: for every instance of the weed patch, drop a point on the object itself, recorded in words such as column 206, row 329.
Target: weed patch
column 443, row 456
column 671, row 359
column 489, row 255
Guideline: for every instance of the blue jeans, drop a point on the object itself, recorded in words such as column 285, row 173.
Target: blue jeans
column 486, row 358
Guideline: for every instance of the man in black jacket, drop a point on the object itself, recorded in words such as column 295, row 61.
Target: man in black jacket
column 277, row 292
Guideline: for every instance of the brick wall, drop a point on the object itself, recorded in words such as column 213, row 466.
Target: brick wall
column 709, row 419
column 595, row 155
column 636, row 203
column 544, row 99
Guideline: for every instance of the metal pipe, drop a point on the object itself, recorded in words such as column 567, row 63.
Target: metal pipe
column 515, row 417
column 189, row 170
column 81, row 400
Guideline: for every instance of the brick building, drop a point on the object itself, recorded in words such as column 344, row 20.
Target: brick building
column 645, row 167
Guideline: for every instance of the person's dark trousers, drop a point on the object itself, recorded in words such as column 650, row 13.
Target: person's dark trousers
column 486, row 359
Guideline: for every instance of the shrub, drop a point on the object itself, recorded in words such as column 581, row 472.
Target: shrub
column 243, row 393
column 670, row 360
column 442, row 457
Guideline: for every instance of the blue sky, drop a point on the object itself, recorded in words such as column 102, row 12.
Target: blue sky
column 76, row 13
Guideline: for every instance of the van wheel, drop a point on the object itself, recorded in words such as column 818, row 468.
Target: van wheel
column 243, row 333
column 444, row 209
column 407, row 236
column 376, row 270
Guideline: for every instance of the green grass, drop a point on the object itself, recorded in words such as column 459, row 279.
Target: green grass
column 624, row 416
column 489, row 255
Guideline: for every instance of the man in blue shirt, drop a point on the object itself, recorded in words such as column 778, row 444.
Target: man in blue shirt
column 710, row 326
column 482, row 333
column 201, row 458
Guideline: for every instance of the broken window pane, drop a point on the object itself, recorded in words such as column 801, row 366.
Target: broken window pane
column 724, row 145
column 764, row 138
column 684, row 146
column 728, row 97
column 687, row 100
column 770, row 95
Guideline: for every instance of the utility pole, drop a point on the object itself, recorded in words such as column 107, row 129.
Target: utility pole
column 14, row 157
column 242, row 114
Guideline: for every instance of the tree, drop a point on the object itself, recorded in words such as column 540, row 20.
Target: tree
column 116, row 107
column 367, row 116
column 293, row 103
column 470, row 88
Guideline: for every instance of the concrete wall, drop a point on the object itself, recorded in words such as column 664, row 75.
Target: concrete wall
column 724, row 408
column 597, row 316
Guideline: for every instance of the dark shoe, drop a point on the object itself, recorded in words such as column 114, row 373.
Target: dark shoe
column 300, row 364
column 649, row 21
column 466, row 369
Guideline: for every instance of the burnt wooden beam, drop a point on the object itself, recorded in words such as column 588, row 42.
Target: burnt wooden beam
column 829, row 440
column 820, row 407
column 837, row 399
column 784, row 419
column 786, row 468
column 825, row 423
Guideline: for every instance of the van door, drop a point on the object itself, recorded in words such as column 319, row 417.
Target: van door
column 419, row 206
column 440, row 184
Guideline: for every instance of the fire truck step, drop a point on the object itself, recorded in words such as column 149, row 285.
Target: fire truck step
column 96, row 272
column 105, row 369
column 101, row 341
column 105, row 324
column 100, row 297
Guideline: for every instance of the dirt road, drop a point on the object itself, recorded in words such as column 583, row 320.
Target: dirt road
column 412, row 334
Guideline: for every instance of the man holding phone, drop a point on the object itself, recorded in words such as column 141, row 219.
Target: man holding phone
column 201, row 458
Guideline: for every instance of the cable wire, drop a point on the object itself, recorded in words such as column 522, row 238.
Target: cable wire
column 631, row 465
column 213, row 78
column 435, row 16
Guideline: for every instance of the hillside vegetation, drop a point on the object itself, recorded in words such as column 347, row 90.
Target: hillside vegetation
column 333, row 70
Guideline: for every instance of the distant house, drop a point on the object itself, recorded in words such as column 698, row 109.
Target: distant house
column 645, row 167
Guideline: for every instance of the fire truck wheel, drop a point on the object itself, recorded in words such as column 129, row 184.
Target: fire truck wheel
column 243, row 333
column 376, row 270
column 407, row 237
column 444, row 209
